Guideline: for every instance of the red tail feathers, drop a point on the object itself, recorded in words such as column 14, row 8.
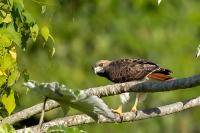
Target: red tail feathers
column 159, row 76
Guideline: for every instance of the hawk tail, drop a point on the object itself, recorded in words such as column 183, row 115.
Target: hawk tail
column 161, row 74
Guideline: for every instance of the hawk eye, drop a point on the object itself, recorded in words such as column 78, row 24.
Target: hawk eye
column 101, row 64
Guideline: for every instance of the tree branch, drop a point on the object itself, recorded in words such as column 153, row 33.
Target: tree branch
column 27, row 113
column 127, row 117
column 142, row 86
column 114, row 89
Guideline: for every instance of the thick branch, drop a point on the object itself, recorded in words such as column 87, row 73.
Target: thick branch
column 114, row 89
column 129, row 116
column 151, row 86
column 27, row 113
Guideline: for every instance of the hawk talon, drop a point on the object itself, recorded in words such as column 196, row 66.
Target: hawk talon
column 118, row 111
column 134, row 110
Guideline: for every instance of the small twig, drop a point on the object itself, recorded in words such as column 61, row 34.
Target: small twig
column 42, row 115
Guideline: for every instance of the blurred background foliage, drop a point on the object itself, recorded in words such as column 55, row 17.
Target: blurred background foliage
column 89, row 30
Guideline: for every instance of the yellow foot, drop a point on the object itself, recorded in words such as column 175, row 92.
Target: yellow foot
column 134, row 109
column 118, row 111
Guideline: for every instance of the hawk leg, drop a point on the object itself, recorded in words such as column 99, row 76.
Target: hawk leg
column 118, row 110
column 137, row 99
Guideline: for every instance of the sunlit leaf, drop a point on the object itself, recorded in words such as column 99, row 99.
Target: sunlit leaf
column 6, row 128
column 2, row 72
column 9, row 102
column 7, row 61
column 45, row 32
column 34, row 32
column 43, row 9
column 14, row 75
column 3, row 80
column 13, row 53
column 5, row 41
column 11, row 34
column 3, row 13
column 8, row 18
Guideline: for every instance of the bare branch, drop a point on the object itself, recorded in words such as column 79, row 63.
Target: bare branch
column 151, row 86
column 114, row 89
column 27, row 113
column 127, row 117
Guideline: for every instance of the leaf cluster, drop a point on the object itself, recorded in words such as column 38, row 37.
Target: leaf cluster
column 17, row 26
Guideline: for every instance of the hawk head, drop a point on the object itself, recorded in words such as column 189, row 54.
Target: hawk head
column 100, row 66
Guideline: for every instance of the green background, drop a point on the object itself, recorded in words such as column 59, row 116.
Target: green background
column 89, row 30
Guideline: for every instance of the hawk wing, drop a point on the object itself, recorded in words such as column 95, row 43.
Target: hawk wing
column 125, row 70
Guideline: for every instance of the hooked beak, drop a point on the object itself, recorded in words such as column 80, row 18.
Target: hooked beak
column 98, row 69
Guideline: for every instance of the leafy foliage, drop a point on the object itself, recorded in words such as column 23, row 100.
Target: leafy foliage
column 9, row 102
column 63, row 129
column 6, row 128
column 17, row 26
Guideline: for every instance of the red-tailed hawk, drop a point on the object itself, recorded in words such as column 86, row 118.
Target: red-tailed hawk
column 124, row 70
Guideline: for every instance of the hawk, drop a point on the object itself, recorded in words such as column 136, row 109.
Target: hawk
column 125, row 70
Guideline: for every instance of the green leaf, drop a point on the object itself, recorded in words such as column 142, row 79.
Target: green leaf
column 5, row 42
column 43, row 9
column 7, row 61
column 29, row 18
column 9, row 102
column 25, row 75
column 14, row 75
column 34, row 32
column 18, row 4
column 11, row 34
column 7, row 19
column 63, row 129
column 3, row 79
column 10, row 4
column 45, row 32
column 6, row 128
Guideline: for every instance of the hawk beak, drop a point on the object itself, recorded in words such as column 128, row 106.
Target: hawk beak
column 98, row 69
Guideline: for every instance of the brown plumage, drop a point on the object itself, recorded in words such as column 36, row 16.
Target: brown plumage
column 124, row 70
